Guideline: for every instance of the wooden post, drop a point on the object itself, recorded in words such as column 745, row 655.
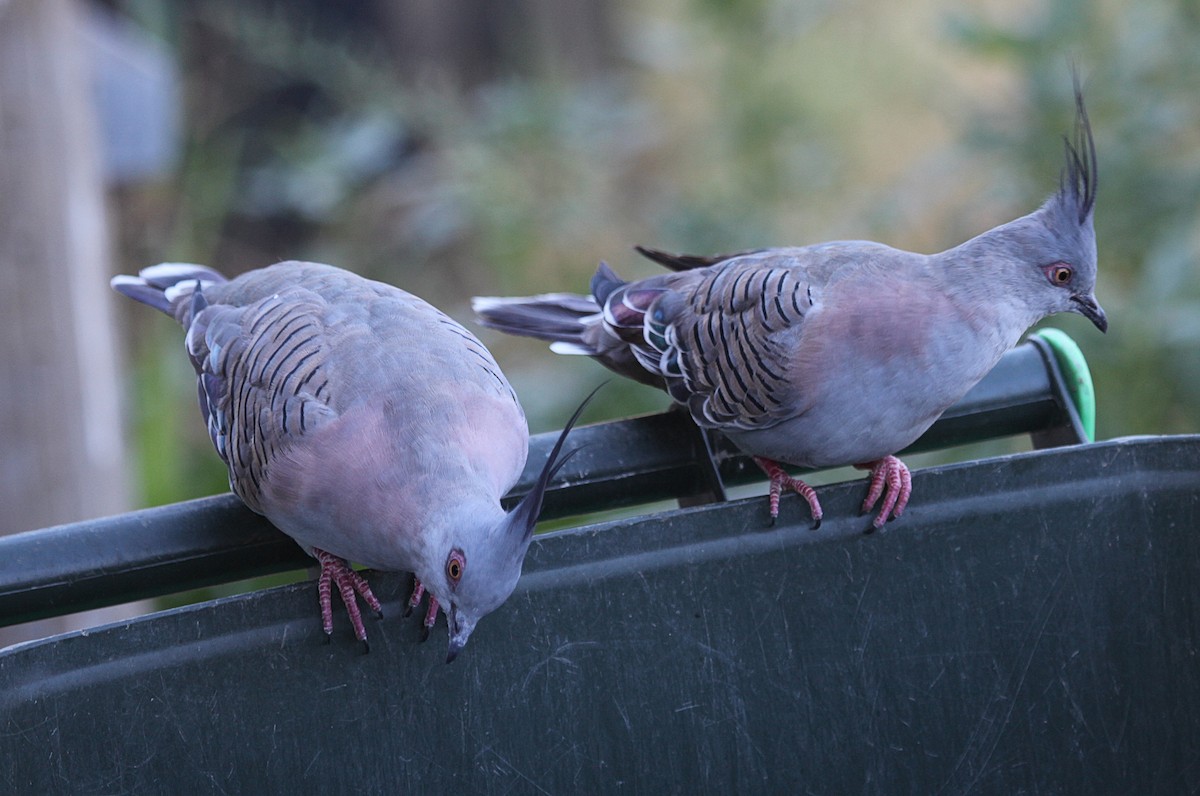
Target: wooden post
column 61, row 449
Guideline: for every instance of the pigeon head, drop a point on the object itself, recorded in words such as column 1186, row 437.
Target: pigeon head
column 476, row 577
column 481, row 564
column 1047, row 259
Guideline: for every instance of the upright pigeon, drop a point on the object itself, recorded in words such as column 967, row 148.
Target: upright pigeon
column 364, row 423
column 837, row 353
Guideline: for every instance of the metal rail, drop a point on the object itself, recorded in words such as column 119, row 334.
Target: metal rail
column 212, row 540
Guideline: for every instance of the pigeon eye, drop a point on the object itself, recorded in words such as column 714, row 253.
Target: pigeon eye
column 455, row 564
column 1059, row 274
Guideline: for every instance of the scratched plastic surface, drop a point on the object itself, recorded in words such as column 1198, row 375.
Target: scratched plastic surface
column 1031, row 625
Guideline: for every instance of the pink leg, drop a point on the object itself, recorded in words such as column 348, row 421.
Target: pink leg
column 430, row 617
column 350, row 585
column 430, row 613
column 893, row 473
column 326, row 600
column 780, row 479
column 417, row 593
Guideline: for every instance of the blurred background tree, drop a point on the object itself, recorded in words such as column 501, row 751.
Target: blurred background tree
column 457, row 148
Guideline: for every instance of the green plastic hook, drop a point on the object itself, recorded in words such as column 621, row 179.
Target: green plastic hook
column 1077, row 375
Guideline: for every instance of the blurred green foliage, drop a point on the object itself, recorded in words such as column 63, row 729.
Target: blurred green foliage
column 709, row 125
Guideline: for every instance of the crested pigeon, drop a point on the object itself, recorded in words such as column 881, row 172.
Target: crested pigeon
column 364, row 423
column 839, row 353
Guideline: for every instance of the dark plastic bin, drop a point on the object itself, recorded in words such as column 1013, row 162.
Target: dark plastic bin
column 1031, row 625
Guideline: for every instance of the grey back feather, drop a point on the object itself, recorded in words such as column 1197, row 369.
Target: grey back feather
column 720, row 337
column 263, row 381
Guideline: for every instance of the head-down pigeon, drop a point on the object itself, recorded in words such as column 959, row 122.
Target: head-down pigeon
column 364, row 423
column 837, row 353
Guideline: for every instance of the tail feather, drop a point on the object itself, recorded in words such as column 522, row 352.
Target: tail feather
column 557, row 317
column 605, row 326
column 573, row 349
column 159, row 286
column 688, row 262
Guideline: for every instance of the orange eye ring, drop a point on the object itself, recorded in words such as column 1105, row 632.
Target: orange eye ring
column 1059, row 274
column 456, row 564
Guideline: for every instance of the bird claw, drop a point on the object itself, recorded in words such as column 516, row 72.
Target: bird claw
column 893, row 474
column 430, row 613
column 351, row 586
column 430, row 617
column 780, row 479
column 417, row 593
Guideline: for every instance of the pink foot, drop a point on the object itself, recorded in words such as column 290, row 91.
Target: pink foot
column 350, row 585
column 893, row 473
column 780, row 479
column 430, row 613
column 417, row 593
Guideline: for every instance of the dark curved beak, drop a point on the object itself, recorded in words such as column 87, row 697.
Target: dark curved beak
column 1090, row 309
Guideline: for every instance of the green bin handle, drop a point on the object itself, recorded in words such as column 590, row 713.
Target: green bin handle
column 1077, row 375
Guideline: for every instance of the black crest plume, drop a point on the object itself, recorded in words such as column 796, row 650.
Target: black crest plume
column 1077, row 184
column 525, row 515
